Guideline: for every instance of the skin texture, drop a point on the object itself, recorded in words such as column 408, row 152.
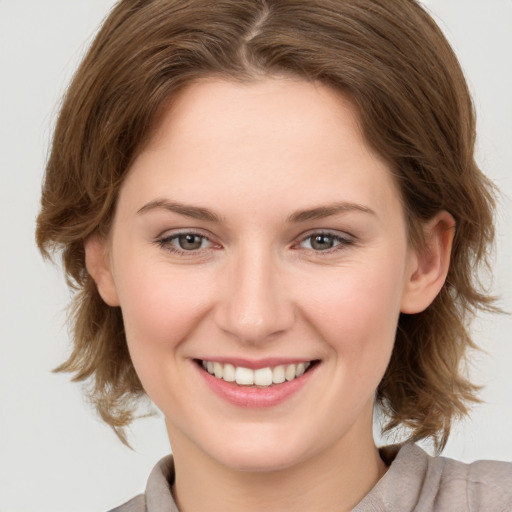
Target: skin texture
column 254, row 155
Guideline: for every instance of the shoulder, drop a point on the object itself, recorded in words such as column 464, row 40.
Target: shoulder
column 484, row 484
column 158, row 495
column 137, row 504
column 416, row 481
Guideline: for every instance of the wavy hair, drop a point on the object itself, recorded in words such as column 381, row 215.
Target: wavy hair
column 393, row 62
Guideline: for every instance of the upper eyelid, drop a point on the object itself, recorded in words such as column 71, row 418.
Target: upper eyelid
column 167, row 237
column 344, row 235
column 173, row 233
column 202, row 232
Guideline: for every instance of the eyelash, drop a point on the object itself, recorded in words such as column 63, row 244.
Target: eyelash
column 166, row 242
column 341, row 241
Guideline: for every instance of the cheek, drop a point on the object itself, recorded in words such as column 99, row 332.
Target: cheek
column 159, row 306
column 161, row 309
column 356, row 311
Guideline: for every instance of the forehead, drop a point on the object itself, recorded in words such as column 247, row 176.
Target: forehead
column 274, row 106
column 292, row 140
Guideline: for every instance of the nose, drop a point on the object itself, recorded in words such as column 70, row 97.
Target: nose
column 255, row 305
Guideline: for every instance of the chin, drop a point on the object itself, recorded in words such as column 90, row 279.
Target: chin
column 260, row 454
column 260, row 461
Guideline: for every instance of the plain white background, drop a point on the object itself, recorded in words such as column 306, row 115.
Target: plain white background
column 55, row 455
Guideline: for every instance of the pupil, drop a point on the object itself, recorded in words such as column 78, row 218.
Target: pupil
column 190, row 242
column 322, row 242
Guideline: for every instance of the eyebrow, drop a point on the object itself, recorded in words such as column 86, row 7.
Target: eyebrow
column 196, row 212
column 321, row 212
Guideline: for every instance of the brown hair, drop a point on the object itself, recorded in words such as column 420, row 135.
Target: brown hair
column 394, row 63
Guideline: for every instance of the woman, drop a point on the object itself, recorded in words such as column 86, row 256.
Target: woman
column 272, row 215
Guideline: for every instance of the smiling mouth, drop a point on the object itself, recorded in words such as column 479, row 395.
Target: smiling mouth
column 262, row 377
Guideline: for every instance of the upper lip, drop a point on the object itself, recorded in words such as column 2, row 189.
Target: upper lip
column 255, row 364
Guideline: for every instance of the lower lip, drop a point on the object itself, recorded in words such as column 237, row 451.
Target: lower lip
column 254, row 397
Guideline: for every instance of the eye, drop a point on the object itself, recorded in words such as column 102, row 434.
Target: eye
column 324, row 241
column 185, row 242
column 190, row 241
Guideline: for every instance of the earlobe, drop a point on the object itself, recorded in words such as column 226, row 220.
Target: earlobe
column 99, row 268
column 429, row 265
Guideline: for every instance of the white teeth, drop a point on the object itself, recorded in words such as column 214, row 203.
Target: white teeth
column 244, row 376
column 218, row 369
column 301, row 368
column 278, row 374
column 289, row 373
column 229, row 373
column 263, row 377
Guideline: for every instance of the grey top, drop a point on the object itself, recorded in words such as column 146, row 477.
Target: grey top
column 415, row 482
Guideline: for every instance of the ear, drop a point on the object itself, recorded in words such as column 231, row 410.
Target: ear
column 98, row 266
column 428, row 265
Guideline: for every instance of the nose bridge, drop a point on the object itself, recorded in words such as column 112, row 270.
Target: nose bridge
column 255, row 304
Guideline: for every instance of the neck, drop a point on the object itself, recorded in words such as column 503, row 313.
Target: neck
column 336, row 480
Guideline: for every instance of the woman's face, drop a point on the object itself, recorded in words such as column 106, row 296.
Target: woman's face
column 257, row 232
